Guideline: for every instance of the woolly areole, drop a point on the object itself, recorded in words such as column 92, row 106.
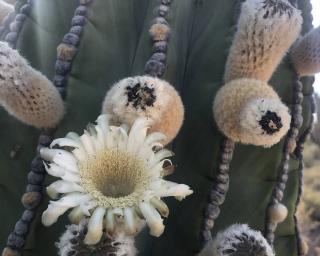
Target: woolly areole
column 250, row 111
column 159, row 32
column 278, row 213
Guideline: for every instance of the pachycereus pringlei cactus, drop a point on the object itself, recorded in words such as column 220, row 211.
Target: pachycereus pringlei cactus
column 115, row 44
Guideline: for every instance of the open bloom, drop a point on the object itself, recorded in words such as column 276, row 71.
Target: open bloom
column 113, row 175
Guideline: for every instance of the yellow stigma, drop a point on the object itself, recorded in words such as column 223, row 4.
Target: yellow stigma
column 114, row 178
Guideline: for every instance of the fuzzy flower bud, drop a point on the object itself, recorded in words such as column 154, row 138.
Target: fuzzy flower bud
column 27, row 94
column 266, row 30
column 149, row 97
column 306, row 54
column 250, row 111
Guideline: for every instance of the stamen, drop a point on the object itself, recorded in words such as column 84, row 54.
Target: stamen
column 114, row 178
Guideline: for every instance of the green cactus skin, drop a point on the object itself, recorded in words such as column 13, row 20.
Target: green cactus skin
column 116, row 44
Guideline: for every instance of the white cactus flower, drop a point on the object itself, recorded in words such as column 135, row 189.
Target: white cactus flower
column 111, row 175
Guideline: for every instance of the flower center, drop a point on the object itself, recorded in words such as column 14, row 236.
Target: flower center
column 114, row 178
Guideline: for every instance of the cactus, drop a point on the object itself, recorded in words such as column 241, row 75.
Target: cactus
column 200, row 36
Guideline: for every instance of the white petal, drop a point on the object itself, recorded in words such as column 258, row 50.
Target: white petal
column 52, row 193
column 48, row 154
column 153, row 219
column 73, row 199
column 87, row 206
column 111, row 141
column 65, row 142
column 110, row 222
column 145, row 153
column 179, row 191
column 154, row 139
column 72, row 177
column 61, row 157
column 158, row 168
column 53, row 212
column 95, row 226
column 160, row 206
column 91, row 130
column 160, row 155
column 100, row 139
column 74, row 136
column 76, row 215
column 137, row 135
column 69, row 164
column 88, row 143
column 62, row 187
column 122, row 139
column 156, row 184
column 57, row 171
column 103, row 122
column 54, row 170
column 97, row 139
column 138, row 212
column 80, row 154
column 129, row 221
column 125, row 127
column 118, row 212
